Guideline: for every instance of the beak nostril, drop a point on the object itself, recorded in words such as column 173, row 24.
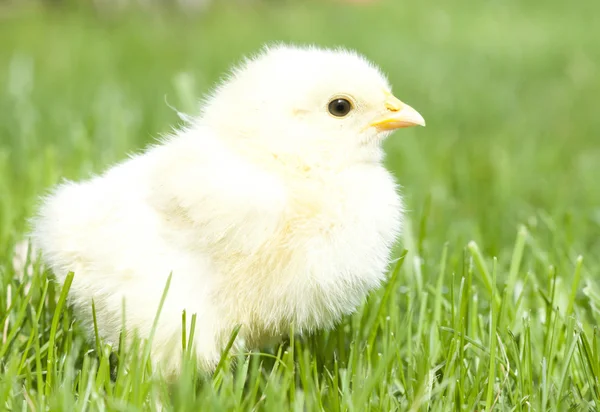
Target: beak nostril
column 392, row 103
column 393, row 106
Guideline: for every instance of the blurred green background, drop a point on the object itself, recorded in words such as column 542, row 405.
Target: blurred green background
column 510, row 91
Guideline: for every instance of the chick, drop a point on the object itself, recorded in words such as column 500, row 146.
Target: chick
column 270, row 208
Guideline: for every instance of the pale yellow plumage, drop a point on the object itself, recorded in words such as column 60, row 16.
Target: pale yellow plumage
column 271, row 207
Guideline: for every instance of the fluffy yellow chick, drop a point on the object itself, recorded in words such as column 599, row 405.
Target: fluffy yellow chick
column 272, row 207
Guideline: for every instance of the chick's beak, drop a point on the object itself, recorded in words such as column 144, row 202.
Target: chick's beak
column 398, row 115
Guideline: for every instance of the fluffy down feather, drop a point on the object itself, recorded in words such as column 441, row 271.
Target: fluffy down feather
column 267, row 209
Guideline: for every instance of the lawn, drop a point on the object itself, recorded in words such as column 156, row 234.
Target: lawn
column 495, row 302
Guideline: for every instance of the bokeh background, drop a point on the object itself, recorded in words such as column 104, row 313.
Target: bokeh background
column 510, row 90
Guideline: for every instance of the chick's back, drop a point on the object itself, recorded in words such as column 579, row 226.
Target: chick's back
column 166, row 211
column 105, row 232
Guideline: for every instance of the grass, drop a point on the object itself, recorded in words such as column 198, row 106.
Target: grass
column 494, row 305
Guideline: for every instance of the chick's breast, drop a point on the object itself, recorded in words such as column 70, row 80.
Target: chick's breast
column 330, row 247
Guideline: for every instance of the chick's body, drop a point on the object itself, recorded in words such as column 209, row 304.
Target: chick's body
column 258, row 231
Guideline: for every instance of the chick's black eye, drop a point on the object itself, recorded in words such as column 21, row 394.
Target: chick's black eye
column 339, row 107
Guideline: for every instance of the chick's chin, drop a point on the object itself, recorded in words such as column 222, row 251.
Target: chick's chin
column 338, row 148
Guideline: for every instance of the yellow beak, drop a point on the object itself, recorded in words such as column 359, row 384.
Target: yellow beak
column 398, row 115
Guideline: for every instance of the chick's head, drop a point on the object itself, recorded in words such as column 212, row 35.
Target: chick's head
column 318, row 106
